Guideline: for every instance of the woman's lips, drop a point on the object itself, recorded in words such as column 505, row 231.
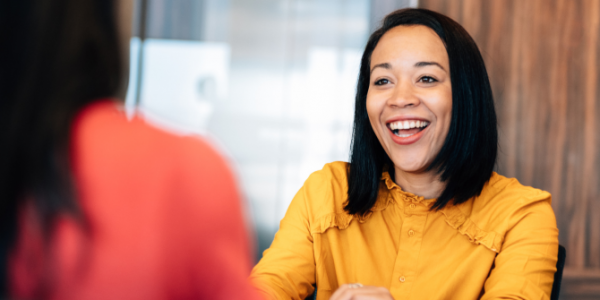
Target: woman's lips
column 407, row 136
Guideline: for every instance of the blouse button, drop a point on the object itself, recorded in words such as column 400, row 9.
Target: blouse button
column 412, row 206
column 402, row 279
column 411, row 232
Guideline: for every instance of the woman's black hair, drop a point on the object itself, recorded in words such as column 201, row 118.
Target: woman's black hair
column 57, row 56
column 467, row 158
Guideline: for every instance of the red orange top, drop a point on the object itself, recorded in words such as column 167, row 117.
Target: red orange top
column 163, row 214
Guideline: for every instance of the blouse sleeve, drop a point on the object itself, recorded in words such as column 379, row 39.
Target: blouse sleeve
column 525, row 267
column 287, row 269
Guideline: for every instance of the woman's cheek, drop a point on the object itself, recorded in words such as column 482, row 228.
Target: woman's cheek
column 374, row 111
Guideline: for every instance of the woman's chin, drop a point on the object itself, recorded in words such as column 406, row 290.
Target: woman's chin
column 411, row 167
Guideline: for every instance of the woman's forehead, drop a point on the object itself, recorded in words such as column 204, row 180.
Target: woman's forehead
column 409, row 45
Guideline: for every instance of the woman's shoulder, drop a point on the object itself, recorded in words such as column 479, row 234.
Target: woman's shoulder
column 324, row 195
column 334, row 174
column 503, row 203
column 109, row 148
column 328, row 187
column 104, row 130
column 509, row 194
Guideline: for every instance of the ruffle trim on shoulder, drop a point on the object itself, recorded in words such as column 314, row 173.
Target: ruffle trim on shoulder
column 339, row 220
column 457, row 220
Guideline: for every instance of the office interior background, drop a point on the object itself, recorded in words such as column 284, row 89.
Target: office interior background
column 272, row 82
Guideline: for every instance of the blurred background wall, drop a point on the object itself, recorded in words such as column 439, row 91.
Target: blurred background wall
column 272, row 82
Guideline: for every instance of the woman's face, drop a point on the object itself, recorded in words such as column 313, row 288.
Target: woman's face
column 409, row 101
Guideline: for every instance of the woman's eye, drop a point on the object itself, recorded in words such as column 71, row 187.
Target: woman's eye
column 427, row 79
column 382, row 82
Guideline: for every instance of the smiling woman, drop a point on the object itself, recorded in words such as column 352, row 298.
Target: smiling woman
column 418, row 213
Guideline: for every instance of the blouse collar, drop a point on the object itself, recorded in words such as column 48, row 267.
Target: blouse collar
column 395, row 189
column 453, row 214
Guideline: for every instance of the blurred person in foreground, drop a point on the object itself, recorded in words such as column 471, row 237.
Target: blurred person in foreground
column 93, row 205
column 418, row 213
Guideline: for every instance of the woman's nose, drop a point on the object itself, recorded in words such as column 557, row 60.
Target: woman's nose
column 403, row 96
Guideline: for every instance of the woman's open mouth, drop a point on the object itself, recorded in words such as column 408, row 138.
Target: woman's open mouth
column 407, row 131
column 407, row 128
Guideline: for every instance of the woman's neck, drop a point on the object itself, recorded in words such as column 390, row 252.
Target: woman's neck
column 425, row 184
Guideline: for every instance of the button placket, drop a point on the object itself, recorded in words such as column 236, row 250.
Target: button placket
column 409, row 248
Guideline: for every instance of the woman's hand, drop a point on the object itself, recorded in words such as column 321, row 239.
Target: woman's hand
column 356, row 291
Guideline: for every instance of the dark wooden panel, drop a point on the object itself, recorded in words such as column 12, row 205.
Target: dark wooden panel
column 580, row 285
column 544, row 65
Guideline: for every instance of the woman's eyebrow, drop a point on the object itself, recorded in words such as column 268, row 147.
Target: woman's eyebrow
column 382, row 65
column 428, row 63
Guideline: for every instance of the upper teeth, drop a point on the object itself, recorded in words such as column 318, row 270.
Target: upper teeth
column 408, row 124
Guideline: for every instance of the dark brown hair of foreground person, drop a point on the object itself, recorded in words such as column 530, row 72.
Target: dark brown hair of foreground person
column 57, row 56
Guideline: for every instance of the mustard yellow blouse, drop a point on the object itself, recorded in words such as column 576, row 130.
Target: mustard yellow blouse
column 502, row 244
